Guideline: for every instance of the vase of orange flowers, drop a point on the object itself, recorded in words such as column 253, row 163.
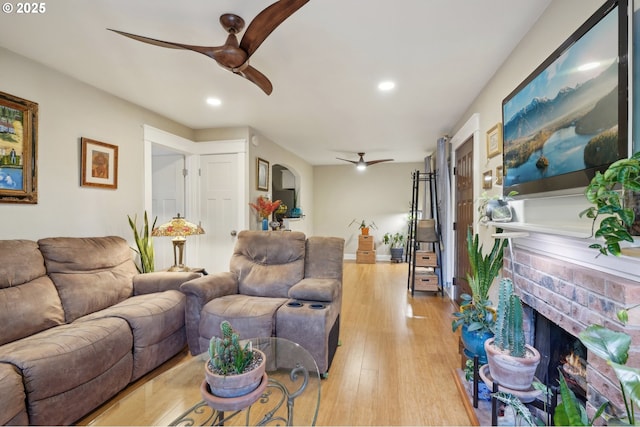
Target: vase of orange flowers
column 264, row 208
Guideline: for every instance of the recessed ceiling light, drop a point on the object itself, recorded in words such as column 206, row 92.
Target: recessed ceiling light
column 386, row 85
column 214, row 101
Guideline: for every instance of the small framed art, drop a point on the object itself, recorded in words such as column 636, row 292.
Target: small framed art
column 487, row 180
column 262, row 174
column 494, row 141
column 99, row 164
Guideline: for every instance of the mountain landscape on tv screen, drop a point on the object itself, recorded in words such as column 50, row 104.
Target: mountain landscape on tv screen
column 574, row 130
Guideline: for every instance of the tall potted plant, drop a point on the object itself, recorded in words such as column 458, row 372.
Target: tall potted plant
column 144, row 242
column 512, row 362
column 477, row 314
column 615, row 194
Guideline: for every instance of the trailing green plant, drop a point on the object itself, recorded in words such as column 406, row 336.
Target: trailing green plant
column 476, row 310
column 604, row 192
column 227, row 355
column 144, row 242
column 393, row 240
column 509, row 330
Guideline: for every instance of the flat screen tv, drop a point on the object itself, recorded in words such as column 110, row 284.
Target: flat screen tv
column 569, row 118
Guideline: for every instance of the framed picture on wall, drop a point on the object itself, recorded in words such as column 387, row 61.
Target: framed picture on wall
column 18, row 150
column 262, row 174
column 494, row 141
column 99, row 164
column 487, row 180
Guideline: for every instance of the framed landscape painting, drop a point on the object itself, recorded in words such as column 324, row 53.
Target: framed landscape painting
column 18, row 149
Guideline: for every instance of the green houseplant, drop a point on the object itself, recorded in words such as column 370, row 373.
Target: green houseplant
column 476, row 315
column 613, row 347
column 144, row 242
column 512, row 363
column 233, row 369
column 620, row 207
column 396, row 245
column 364, row 226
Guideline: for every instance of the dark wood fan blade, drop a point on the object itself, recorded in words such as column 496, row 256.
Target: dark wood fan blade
column 257, row 78
column 155, row 42
column 373, row 162
column 228, row 55
column 267, row 21
column 346, row 160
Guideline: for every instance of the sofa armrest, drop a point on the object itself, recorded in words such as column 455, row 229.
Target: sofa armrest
column 199, row 292
column 211, row 286
column 322, row 290
column 160, row 281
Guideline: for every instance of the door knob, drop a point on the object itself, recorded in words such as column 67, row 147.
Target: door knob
column 234, row 233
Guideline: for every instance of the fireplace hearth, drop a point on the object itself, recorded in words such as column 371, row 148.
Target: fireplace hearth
column 565, row 296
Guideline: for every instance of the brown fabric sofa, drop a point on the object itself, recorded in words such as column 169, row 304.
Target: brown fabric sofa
column 79, row 324
column 279, row 284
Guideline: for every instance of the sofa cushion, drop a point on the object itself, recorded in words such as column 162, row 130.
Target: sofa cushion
column 250, row 316
column 61, row 359
column 12, row 404
column 29, row 302
column 268, row 263
column 89, row 273
column 153, row 318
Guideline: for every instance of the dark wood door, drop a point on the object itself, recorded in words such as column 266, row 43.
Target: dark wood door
column 464, row 214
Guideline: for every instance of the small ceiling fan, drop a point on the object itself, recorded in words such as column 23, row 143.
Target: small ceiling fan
column 231, row 55
column 361, row 164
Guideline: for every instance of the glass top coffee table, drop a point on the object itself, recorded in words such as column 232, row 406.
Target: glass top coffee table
column 292, row 396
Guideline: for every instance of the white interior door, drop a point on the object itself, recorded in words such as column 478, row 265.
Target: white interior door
column 220, row 190
column 168, row 199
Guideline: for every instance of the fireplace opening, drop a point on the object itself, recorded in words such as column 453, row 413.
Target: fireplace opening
column 560, row 353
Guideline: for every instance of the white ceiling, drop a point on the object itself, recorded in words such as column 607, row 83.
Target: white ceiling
column 325, row 62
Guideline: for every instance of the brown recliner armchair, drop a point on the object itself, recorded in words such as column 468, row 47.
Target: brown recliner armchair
column 279, row 284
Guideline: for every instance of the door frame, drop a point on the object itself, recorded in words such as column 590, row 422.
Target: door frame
column 192, row 151
column 471, row 128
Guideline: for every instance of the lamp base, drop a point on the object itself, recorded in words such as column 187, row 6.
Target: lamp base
column 179, row 268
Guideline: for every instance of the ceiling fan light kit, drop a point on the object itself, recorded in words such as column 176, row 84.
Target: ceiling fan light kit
column 361, row 164
column 234, row 56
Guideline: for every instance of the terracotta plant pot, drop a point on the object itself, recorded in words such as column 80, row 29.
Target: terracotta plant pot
column 235, row 385
column 515, row 373
column 364, row 231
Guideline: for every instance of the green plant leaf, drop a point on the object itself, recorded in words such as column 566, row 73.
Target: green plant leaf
column 629, row 379
column 570, row 411
column 609, row 345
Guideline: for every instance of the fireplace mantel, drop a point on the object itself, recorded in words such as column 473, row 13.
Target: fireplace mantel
column 571, row 243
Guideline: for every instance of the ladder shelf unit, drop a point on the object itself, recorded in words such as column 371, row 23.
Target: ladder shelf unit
column 423, row 249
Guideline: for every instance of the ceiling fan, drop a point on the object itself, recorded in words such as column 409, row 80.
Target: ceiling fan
column 361, row 164
column 231, row 55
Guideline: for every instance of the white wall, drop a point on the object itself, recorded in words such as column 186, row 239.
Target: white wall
column 69, row 110
column 381, row 193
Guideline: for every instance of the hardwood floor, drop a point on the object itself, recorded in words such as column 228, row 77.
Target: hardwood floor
column 395, row 364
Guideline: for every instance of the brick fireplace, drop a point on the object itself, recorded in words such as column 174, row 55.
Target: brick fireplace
column 572, row 288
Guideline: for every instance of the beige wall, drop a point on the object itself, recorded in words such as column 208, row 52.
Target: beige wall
column 381, row 193
column 557, row 23
column 69, row 110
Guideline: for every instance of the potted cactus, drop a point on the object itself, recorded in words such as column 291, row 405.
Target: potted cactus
column 233, row 369
column 512, row 363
